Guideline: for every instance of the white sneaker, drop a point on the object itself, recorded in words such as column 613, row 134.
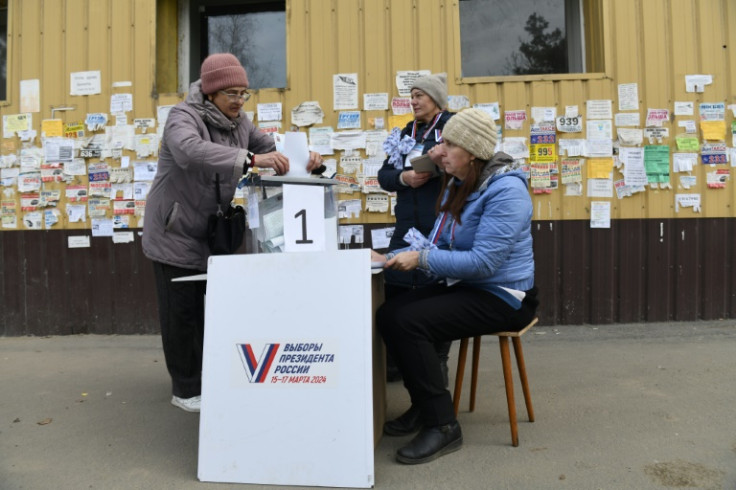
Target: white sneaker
column 188, row 404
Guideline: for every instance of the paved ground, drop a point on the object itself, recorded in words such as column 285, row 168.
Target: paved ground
column 645, row 406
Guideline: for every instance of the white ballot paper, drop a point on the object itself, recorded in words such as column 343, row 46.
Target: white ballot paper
column 297, row 151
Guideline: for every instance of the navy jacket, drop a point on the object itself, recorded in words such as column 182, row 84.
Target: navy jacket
column 414, row 207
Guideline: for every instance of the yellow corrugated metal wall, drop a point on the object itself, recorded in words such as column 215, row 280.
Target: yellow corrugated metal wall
column 654, row 43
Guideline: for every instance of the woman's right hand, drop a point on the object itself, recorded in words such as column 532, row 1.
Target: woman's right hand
column 415, row 179
column 274, row 160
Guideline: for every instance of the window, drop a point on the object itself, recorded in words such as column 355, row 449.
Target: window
column 3, row 49
column 253, row 31
column 522, row 37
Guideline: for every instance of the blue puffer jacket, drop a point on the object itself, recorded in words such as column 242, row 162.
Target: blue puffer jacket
column 492, row 246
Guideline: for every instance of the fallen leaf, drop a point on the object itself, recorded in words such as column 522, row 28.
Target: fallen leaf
column 45, row 421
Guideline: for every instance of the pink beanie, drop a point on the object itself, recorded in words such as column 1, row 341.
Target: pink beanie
column 220, row 71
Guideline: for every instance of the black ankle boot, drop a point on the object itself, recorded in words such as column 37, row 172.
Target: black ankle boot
column 431, row 443
column 405, row 424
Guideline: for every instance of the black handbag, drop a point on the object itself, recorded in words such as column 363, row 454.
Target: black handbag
column 225, row 230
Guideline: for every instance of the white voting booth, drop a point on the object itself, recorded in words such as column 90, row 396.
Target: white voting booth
column 287, row 371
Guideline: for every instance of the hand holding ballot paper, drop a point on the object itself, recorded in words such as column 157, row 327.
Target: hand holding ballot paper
column 424, row 163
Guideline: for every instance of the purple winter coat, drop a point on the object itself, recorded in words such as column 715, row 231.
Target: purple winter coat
column 182, row 195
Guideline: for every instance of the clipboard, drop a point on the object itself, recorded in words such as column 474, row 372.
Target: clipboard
column 424, row 163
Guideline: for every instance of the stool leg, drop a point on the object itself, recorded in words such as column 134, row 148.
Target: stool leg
column 474, row 374
column 506, row 361
column 462, row 356
column 519, row 353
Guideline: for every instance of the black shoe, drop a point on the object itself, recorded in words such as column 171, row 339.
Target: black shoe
column 431, row 443
column 405, row 424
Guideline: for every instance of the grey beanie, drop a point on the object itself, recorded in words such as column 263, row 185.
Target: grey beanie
column 474, row 131
column 435, row 86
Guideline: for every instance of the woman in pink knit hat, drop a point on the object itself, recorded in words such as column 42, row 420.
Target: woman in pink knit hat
column 207, row 137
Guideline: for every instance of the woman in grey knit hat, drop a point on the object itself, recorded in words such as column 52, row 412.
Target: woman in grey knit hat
column 416, row 194
column 481, row 250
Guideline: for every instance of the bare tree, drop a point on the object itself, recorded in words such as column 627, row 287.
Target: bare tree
column 234, row 34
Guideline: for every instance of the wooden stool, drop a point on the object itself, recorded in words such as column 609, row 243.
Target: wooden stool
column 503, row 340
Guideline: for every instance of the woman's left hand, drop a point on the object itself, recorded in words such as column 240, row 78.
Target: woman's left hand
column 405, row 261
column 315, row 161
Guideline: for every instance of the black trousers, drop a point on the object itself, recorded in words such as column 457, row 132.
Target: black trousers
column 412, row 323
column 393, row 290
column 181, row 314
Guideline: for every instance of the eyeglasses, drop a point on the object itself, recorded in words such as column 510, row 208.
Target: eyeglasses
column 234, row 96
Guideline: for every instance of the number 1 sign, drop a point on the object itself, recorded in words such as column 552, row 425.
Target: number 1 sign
column 304, row 218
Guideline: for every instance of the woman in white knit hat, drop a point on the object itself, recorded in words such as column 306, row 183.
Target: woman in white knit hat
column 481, row 248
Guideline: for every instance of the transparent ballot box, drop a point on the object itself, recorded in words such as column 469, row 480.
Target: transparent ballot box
column 292, row 214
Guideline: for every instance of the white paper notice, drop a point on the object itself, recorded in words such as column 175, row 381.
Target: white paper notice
column 144, row 171
column 347, row 140
column 381, row 237
column 30, row 96
column 598, row 109
column 307, row 113
column 630, row 136
column 297, row 151
column 345, row 91
column 349, row 208
column 123, row 237
column 319, row 140
column 627, row 119
column 491, row 109
column 598, row 148
column 121, row 103
column 689, row 126
column 571, row 147
column 405, row 79
column 600, row 214
column 684, row 162
column 79, row 241
column 457, row 102
column 76, row 212
column 697, row 83
column 514, row 119
column 600, row 187
column 656, row 117
column 269, row 112
column 102, row 227
column 628, row 97
column 401, row 106
column 376, row 203
column 684, row 108
column 687, row 201
column 633, row 160
column 375, row 102
column 85, row 83
column 516, row 147
column 544, row 114
column 600, row 129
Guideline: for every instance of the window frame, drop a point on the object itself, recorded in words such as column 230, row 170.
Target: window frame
column 9, row 92
column 199, row 10
column 595, row 50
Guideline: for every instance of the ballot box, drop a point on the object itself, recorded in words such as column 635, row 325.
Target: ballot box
column 289, row 214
